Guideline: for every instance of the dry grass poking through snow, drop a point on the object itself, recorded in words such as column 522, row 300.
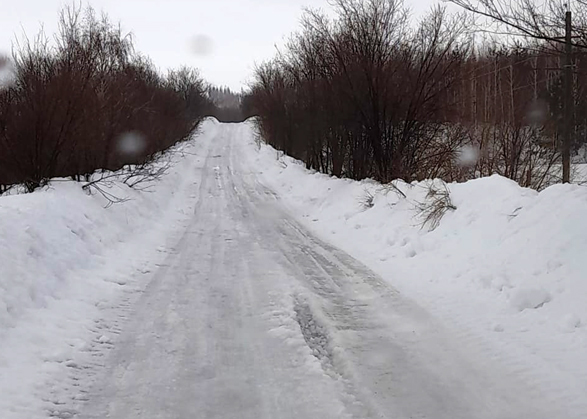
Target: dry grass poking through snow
column 438, row 203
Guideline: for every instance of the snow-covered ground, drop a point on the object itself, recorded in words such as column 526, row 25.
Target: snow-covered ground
column 223, row 293
column 65, row 260
column 508, row 265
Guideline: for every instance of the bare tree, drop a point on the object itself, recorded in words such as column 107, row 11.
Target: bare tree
column 543, row 21
column 362, row 95
column 365, row 95
column 72, row 103
column 549, row 22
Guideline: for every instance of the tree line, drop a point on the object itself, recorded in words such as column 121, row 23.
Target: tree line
column 88, row 102
column 370, row 94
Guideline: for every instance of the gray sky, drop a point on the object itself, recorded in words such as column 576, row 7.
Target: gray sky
column 222, row 38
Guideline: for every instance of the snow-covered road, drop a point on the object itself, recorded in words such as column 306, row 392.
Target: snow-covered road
column 252, row 316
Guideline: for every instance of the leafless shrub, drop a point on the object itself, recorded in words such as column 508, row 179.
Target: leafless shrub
column 392, row 187
column 104, row 187
column 365, row 96
column 73, row 104
column 140, row 177
column 361, row 96
column 438, row 203
column 143, row 175
column 367, row 200
column 516, row 153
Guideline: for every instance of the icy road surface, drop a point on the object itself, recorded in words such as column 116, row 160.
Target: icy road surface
column 251, row 316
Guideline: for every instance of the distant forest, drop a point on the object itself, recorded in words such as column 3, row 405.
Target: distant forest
column 224, row 104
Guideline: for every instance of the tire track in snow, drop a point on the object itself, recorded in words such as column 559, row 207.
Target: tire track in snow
column 68, row 396
column 358, row 306
column 384, row 356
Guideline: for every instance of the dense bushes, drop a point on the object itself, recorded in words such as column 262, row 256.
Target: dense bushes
column 363, row 95
column 89, row 102
column 369, row 95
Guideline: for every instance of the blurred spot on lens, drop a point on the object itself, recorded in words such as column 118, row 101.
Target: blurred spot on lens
column 537, row 112
column 131, row 143
column 467, row 156
column 202, row 45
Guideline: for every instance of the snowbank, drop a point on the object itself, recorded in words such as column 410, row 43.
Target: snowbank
column 65, row 259
column 507, row 266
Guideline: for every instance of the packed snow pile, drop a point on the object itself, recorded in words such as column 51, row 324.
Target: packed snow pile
column 65, row 255
column 488, row 256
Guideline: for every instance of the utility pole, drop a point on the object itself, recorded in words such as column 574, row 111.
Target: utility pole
column 568, row 101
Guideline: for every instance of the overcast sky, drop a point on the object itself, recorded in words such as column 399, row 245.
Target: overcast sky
column 222, row 38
